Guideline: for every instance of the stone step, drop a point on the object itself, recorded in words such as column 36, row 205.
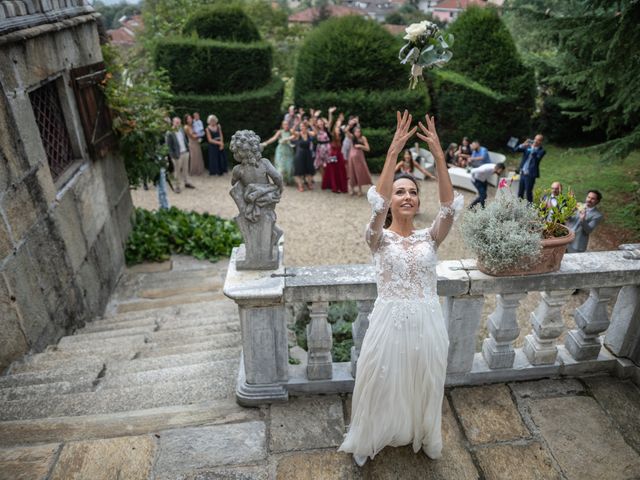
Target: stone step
column 221, row 341
column 137, row 422
column 163, row 321
column 52, row 360
column 145, row 305
column 172, row 360
column 104, row 346
column 110, row 336
column 189, row 333
column 75, row 373
column 46, row 389
column 172, row 311
column 135, row 397
column 224, row 368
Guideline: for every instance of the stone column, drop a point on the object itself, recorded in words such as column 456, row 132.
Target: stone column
column 319, row 343
column 592, row 319
column 264, row 365
column 540, row 346
column 497, row 349
column 623, row 335
column 358, row 329
column 462, row 315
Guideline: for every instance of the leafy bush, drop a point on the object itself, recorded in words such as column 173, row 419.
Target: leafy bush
column 257, row 110
column 376, row 164
column 349, row 53
column 505, row 234
column 379, row 139
column 558, row 127
column 467, row 108
column 375, row 109
column 213, row 67
column 223, row 22
column 158, row 234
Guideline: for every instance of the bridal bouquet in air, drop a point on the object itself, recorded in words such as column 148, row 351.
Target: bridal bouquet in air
column 426, row 47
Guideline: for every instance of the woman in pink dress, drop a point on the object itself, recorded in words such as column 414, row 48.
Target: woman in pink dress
column 335, row 172
column 196, row 162
column 357, row 169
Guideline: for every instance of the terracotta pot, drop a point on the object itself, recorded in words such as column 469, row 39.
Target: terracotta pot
column 549, row 260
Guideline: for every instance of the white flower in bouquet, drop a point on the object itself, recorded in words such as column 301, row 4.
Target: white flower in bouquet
column 426, row 47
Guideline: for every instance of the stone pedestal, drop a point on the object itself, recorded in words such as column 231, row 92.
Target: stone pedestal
column 265, row 360
column 256, row 254
column 623, row 335
column 462, row 315
column 498, row 350
column 319, row 343
column 547, row 323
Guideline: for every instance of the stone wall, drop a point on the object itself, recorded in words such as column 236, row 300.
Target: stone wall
column 61, row 242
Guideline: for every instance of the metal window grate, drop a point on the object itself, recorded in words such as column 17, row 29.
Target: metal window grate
column 53, row 130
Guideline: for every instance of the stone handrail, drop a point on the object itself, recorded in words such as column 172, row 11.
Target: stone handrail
column 463, row 289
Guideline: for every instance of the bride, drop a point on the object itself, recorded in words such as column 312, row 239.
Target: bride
column 401, row 370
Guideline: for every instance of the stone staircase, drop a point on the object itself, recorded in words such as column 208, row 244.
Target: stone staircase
column 164, row 355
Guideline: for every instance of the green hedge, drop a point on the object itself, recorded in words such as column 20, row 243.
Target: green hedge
column 379, row 139
column 257, row 110
column 213, row 67
column 375, row 109
column 349, row 53
column 467, row 108
column 224, row 22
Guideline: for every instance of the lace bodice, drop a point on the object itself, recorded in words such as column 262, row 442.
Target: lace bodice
column 406, row 266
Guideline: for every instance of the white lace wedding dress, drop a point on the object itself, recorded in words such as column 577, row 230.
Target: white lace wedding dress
column 399, row 386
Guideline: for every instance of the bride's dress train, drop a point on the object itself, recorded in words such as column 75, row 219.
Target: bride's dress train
column 397, row 399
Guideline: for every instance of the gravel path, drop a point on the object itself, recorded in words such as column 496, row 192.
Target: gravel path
column 320, row 227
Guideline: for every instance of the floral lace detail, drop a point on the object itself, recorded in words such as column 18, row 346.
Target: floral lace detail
column 376, row 200
column 454, row 208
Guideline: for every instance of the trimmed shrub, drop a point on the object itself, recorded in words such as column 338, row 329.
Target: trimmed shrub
column 379, row 139
column 485, row 52
column 467, row 108
column 257, row 110
column 223, row 22
column 349, row 53
column 375, row 164
column 375, row 109
column 213, row 67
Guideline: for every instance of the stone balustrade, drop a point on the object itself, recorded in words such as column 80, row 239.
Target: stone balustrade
column 599, row 343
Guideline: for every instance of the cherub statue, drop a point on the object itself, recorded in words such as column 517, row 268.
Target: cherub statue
column 256, row 189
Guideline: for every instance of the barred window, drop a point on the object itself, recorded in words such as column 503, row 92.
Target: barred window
column 53, row 129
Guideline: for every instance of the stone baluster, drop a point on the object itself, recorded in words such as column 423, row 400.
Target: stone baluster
column 358, row 329
column 547, row 325
column 497, row 349
column 462, row 315
column 592, row 319
column 319, row 343
column 623, row 336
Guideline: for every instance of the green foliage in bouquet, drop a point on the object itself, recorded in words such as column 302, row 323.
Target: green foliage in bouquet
column 349, row 53
column 554, row 217
column 505, row 234
column 213, row 67
column 158, row 234
column 223, row 22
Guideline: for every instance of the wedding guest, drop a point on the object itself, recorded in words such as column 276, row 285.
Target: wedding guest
column 409, row 165
column 450, row 156
column 529, row 165
column 335, row 172
column 584, row 222
column 179, row 153
column 358, row 171
column 198, row 128
column 479, row 155
column 216, row 153
column 463, row 153
column 196, row 163
column 303, row 171
column 323, row 141
column 283, row 160
column 480, row 179
column 290, row 117
column 346, row 141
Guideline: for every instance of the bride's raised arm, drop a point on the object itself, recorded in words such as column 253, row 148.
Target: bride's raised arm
column 380, row 195
column 449, row 203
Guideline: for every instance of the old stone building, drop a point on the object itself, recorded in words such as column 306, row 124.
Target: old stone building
column 64, row 200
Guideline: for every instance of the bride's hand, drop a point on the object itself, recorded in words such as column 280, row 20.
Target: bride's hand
column 403, row 133
column 430, row 136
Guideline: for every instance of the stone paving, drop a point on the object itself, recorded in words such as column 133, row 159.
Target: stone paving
column 157, row 429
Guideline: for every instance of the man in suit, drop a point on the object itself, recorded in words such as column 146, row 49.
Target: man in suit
column 179, row 152
column 584, row 222
column 530, row 165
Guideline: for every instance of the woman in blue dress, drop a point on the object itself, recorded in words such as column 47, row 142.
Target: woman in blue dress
column 283, row 160
column 217, row 157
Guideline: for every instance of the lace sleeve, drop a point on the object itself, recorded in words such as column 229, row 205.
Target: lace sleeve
column 444, row 220
column 379, row 208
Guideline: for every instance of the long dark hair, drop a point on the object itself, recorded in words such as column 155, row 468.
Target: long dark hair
column 399, row 176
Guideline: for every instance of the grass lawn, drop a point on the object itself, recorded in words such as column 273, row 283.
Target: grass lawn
column 619, row 182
